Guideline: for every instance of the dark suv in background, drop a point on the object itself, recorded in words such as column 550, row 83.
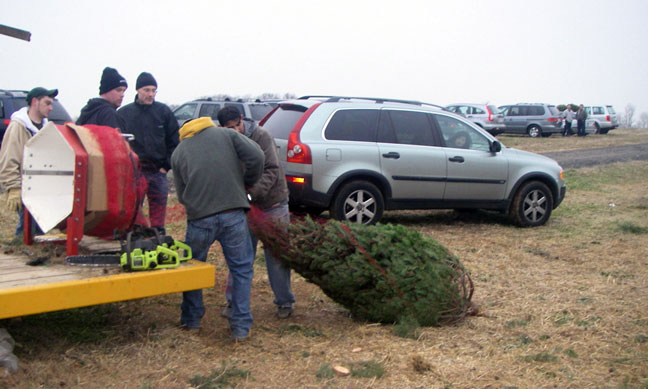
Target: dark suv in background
column 254, row 110
column 12, row 100
column 532, row 119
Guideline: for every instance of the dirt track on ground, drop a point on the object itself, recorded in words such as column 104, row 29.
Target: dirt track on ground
column 574, row 159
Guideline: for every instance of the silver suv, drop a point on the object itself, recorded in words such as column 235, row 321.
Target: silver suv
column 360, row 156
column 602, row 117
column 485, row 116
column 207, row 107
column 533, row 119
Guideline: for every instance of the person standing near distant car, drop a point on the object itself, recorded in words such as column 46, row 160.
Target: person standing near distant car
column 568, row 117
column 270, row 195
column 156, row 137
column 25, row 123
column 581, row 117
column 102, row 110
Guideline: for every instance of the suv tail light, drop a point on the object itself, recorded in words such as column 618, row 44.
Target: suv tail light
column 7, row 121
column 607, row 118
column 490, row 114
column 296, row 151
column 551, row 120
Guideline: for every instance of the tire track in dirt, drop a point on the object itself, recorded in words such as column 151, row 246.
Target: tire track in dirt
column 574, row 159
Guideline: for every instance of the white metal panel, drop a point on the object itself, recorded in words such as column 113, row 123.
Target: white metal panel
column 48, row 177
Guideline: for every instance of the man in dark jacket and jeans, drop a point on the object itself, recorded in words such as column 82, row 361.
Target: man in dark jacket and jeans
column 212, row 166
column 102, row 110
column 581, row 117
column 156, row 136
column 270, row 194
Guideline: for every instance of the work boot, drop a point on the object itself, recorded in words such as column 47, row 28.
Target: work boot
column 284, row 312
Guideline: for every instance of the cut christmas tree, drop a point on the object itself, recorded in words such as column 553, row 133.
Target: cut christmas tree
column 383, row 273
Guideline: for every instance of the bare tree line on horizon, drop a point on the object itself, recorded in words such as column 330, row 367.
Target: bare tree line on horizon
column 247, row 97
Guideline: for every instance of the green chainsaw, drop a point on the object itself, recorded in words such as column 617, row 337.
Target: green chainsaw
column 148, row 253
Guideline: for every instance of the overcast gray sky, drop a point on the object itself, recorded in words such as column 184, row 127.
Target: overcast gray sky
column 499, row 51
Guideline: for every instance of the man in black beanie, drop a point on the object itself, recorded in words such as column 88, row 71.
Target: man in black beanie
column 156, row 136
column 102, row 110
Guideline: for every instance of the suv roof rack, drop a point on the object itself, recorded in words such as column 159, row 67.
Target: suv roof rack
column 378, row 100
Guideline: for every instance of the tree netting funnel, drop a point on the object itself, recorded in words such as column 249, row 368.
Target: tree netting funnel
column 81, row 179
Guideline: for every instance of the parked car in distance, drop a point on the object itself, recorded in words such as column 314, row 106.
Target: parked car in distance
column 208, row 107
column 12, row 100
column 532, row 119
column 357, row 157
column 602, row 117
column 485, row 116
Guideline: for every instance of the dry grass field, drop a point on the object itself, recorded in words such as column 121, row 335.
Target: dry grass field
column 556, row 142
column 561, row 306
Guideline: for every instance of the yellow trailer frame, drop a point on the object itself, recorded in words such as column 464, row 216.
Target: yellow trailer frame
column 27, row 290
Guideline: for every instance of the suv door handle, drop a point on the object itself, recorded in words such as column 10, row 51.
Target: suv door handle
column 392, row 154
column 456, row 159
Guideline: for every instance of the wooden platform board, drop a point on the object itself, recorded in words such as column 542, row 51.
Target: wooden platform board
column 26, row 290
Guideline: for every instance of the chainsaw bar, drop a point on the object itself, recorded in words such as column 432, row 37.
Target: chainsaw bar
column 94, row 260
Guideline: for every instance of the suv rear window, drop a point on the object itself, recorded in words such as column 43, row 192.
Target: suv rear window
column 353, row 124
column 283, row 120
column 58, row 115
column 185, row 112
column 553, row 110
column 406, row 127
column 211, row 110
column 18, row 103
column 611, row 109
column 258, row 111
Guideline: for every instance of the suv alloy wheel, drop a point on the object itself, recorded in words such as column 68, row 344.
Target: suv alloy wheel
column 531, row 205
column 358, row 202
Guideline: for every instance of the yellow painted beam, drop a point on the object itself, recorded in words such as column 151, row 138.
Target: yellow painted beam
column 28, row 300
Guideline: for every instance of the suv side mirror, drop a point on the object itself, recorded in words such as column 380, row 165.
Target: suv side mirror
column 495, row 146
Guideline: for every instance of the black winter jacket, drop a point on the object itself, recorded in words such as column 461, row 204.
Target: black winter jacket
column 156, row 133
column 99, row 111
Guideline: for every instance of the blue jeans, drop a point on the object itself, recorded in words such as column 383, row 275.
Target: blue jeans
column 20, row 227
column 580, row 124
column 230, row 229
column 157, row 193
column 278, row 273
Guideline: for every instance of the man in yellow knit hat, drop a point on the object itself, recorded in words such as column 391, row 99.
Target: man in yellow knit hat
column 212, row 166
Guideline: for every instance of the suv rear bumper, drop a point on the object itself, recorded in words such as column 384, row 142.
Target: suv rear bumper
column 492, row 128
column 302, row 194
